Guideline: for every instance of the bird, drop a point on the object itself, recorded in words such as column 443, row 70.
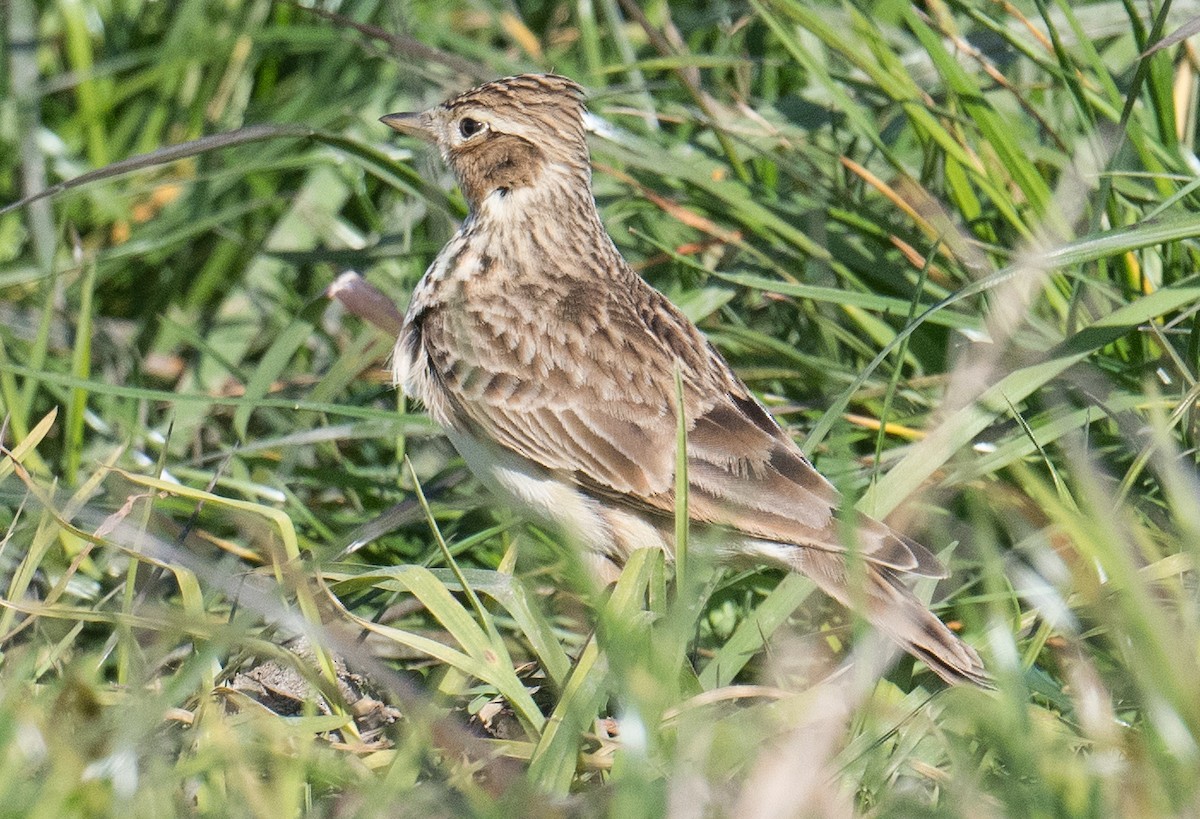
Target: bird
column 551, row 366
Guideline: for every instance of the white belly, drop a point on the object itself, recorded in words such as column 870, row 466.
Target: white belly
column 532, row 489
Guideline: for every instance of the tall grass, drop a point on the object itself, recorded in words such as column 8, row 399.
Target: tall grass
column 952, row 245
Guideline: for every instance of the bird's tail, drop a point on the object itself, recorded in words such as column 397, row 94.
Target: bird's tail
column 889, row 605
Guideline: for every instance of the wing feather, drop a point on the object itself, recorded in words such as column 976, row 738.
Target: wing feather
column 613, row 430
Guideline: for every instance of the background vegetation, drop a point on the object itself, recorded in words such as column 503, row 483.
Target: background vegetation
column 952, row 244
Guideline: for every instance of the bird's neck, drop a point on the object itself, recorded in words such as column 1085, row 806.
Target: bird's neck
column 556, row 196
column 544, row 228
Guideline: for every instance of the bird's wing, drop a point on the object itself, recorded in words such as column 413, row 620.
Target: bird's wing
column 610, row 424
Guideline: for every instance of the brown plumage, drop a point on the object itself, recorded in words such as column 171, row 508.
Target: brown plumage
column 551, row 364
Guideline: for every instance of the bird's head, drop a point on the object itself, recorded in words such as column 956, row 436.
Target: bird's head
column 507, row 135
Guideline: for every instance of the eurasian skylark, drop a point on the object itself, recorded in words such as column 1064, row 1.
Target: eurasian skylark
column 551, row 366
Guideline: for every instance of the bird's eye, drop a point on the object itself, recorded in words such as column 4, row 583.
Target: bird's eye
column 469, row 127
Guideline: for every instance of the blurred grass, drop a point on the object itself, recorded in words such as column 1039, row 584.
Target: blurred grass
column 952, row 245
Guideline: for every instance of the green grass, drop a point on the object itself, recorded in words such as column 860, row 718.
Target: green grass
column 953, row 246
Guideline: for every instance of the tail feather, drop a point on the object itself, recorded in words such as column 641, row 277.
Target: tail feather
column 891, row 607
column 905, row 619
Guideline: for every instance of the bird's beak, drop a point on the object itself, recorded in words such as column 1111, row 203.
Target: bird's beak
column 419, row 124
